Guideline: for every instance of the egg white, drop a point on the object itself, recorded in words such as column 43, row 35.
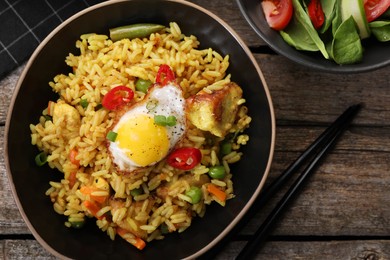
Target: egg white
column 167, row 101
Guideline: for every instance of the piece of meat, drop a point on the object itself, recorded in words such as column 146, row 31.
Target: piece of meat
column 215, row 112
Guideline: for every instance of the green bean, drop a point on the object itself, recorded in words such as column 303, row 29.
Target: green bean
column 217, row 172
column 139, row 30
column 195, row 193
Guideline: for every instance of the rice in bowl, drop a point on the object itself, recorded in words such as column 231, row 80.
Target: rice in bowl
column 155, row 200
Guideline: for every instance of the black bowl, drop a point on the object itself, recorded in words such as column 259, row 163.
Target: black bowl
column 29, row 182
column 376, row 54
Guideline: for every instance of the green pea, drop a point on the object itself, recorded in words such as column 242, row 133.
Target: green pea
column 226, row 147
column 136, row 192
column 217, row 172
column 142, row 85
column 195, row 193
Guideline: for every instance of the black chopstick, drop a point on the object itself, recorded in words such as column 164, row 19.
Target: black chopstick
column 269, row 191
column 320, row 146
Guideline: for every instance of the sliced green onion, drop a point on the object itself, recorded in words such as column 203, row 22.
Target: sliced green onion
column 48, row 118
column 164, row 228
column 165, row 121
column 41, row 159
column 84, row 103
column 111, row 136
column 171, row 121
column 142, row 85
column 151, row 104
column 77, row 224
column 160, row 120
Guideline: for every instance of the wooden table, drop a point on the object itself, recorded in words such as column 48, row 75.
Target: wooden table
column 342, row 213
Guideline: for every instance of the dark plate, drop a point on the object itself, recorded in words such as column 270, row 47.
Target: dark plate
column 376, row 54
column 29, row 182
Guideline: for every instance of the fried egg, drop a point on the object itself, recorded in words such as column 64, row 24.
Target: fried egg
column 140, row 141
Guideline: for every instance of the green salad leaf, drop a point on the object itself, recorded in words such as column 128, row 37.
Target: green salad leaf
column 303, row 27
column 297, row 36
column 381, row 30
column 340, row 37
column 346, row 45
column 329, row 8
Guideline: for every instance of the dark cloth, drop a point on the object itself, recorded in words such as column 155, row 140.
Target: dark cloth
column 25, row 23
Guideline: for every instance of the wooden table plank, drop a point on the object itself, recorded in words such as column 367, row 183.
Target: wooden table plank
column 308, row 250
column 314, row 250
column 337, row 201
column 341, row 213
column 302, row 95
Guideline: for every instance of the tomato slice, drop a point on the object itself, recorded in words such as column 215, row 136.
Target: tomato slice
column 375, row 8
column 278, row 13
column 164, row 75
column 117, row 97
column 316, row 13
column 185, row 158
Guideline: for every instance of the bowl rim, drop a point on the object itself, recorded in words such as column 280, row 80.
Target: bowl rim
column 350, row 68
column 34, row 55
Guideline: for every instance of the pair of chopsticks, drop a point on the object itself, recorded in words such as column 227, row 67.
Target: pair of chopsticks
column 317, row 150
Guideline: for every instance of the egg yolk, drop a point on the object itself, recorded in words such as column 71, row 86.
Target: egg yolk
column 143, row 141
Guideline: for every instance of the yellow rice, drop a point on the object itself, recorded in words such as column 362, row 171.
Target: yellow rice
column 100, row 66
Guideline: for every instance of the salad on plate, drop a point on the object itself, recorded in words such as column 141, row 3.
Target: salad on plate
column 336, row 28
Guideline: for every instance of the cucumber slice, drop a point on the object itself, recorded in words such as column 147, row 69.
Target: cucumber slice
column 355, row 8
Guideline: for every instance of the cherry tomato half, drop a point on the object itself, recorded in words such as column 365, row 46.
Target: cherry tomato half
column 117, row 97
column 185, row 158
column 316, row 13
column 164, row 75
column 278, row 13
column 375, row 8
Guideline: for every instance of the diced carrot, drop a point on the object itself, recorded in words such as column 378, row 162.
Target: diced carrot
column 72, row 156
column 93, row 208
column 72, row 179
column 87, row 190
column 138, row 243
column 219, row 194
column 121, row 231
